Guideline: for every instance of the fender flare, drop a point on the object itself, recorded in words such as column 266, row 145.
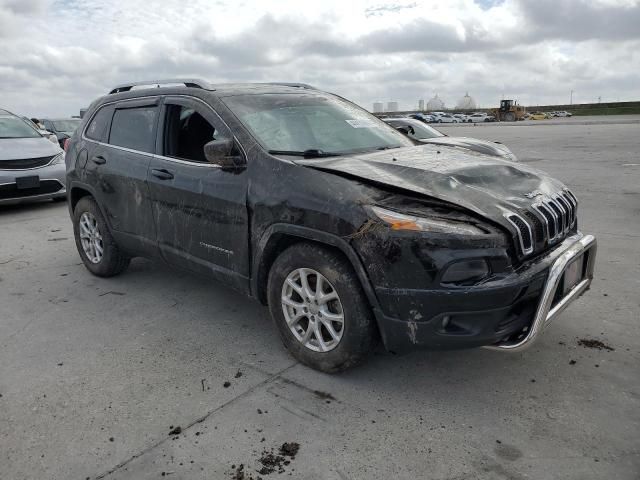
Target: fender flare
column 320, row 237
column 83, row 186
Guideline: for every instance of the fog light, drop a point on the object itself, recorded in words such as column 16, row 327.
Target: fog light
column 466, row 271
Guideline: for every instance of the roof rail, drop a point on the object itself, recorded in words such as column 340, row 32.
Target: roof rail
column 289, row 84
column 188, row 82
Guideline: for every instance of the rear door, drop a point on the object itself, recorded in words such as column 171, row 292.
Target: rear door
column 121, row 141
column 199, row 208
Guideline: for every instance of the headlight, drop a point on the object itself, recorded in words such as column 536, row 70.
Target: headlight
column 399, row 221
column 59, row 158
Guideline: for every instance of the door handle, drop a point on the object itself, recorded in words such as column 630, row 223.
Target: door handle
column 99, row 160
column 162, row 174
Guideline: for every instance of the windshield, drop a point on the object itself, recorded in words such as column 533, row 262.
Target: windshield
column 14, row 127
column 417, row 129
column 312, row 122
column 66, row 125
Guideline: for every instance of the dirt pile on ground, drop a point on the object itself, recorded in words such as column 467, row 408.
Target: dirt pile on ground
column 587, row 343
column 270, row 462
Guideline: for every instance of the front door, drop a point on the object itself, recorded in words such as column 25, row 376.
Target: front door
column 199, row 208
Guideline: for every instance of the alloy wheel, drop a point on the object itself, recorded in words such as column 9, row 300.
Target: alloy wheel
column 312, row 309
column 90, row 237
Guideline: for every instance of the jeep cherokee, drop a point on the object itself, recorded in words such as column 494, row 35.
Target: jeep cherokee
column 348, row 230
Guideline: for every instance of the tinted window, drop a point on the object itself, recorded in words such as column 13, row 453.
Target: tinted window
column 134, row 128
column 186, row 132
column 98, row 127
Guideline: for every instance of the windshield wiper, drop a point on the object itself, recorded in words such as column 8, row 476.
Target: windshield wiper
column 388, row 148
column 310, row 153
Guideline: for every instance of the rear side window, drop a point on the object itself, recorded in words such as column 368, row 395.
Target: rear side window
column 134, row 128
column 97, row 129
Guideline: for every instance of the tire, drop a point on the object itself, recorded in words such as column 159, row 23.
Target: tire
column 112, row 261
column 358, row 331
column 509, row 117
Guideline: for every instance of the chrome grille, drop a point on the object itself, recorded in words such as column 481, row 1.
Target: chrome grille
column 547, row 222
column 525, row 236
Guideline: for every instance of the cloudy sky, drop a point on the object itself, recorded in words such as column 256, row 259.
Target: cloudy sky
column 58, row 55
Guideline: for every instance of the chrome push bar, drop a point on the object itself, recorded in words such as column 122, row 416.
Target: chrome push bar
column 576, row 245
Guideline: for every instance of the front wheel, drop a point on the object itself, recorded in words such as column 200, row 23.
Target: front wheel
column 96, row 246
column 320, row 310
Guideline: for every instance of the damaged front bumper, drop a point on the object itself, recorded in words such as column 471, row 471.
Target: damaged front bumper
column 508, row 314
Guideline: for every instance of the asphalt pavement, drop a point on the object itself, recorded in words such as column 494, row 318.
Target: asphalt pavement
column 96, row 375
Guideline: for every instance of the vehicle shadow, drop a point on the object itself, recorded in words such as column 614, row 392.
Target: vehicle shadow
column 31, row 206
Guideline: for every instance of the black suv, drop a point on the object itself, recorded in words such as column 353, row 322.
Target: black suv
column 348, row 230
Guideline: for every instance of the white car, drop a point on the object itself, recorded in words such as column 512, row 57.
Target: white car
column 461, row 117
column 446, row 118
column 563, row 113
column 481, row 117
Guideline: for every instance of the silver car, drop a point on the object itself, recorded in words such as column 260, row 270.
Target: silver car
column 31, row 167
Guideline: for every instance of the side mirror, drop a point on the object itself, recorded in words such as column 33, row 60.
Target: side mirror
column 220, row 152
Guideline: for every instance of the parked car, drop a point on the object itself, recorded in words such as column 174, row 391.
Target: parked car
column 537, row 116
column 427, row 134
column 563, row 113
column 462, row 118
column 446, row 118
column 423, row 117
column 42, row 131
column 347, row 229
column 480, row 117
column 62, row 127
column 31, row 166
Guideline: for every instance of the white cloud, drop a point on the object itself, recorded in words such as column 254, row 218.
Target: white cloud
column 58, row 55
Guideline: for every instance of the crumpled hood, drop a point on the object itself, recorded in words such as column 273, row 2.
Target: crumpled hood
column 486, row 185
column 475, row 144
column 19, row 148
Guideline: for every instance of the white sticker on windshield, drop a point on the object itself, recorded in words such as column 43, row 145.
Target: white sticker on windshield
column 362, row 123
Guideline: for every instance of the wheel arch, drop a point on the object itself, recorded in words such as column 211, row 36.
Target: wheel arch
column 278, row 237
column 79, row 191
column 75, row 194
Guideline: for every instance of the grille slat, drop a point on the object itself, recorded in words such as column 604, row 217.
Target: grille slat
column 524, row 232
column 24, row 163
column 547, row 222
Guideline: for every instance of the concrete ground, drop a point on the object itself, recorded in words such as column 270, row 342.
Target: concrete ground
column 94, row 373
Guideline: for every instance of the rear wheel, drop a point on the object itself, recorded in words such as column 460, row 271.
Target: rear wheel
column 509, row 117
column 318, row 305
column 97, row 248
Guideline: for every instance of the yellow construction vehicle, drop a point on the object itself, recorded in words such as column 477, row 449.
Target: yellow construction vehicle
column 509, row 111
